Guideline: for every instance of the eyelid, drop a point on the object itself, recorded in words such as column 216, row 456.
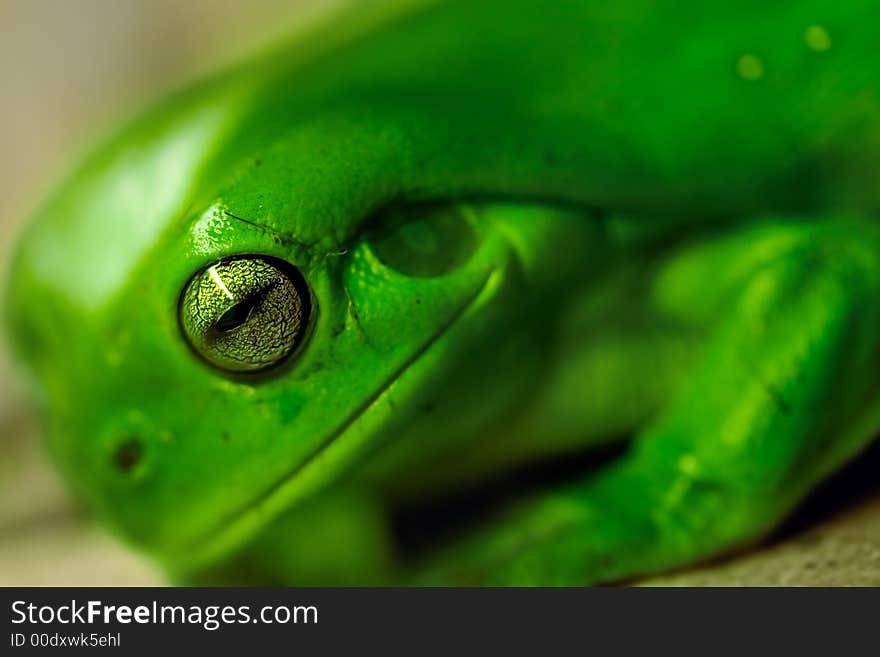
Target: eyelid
column 425, row 240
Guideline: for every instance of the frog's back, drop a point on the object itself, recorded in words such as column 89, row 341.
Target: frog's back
column 677, row 108
column 697, row 109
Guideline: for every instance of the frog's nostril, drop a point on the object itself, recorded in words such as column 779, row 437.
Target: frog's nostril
column 128, row 454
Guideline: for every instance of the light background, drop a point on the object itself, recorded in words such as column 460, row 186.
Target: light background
column 69, row 69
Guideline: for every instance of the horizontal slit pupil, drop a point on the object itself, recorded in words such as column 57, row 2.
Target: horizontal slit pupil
column 241, row 312
column 236, row 316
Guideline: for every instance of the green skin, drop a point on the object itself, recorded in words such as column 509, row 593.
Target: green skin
column 657, row 242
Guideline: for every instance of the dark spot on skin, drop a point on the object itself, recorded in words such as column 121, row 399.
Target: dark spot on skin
column 418, row 302
column 310, row 371
column 778, row 400
column 288, row 407
column 225, row 436
column 701, row 486
column 355, row 317
column 428, row 408
column 128, row 454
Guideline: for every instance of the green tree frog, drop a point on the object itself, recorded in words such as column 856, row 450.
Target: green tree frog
column 359, row 310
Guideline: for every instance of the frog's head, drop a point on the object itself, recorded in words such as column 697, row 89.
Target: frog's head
column 215, row 333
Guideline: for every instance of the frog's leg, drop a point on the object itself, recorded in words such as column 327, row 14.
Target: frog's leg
column 785, row 392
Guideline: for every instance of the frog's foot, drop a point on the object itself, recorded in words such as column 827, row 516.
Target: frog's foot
column 785, row 392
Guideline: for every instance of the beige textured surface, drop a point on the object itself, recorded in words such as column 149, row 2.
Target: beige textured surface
column 66, row 68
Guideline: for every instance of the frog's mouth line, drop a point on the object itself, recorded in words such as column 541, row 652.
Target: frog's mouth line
column 244, row 524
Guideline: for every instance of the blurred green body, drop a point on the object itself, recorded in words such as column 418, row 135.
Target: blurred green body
column 669, row 241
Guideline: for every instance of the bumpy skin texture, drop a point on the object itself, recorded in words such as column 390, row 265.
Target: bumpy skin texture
column 526, row 231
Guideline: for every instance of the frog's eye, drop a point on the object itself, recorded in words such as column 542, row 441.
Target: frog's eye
column 245, row 313
column 424, row 241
